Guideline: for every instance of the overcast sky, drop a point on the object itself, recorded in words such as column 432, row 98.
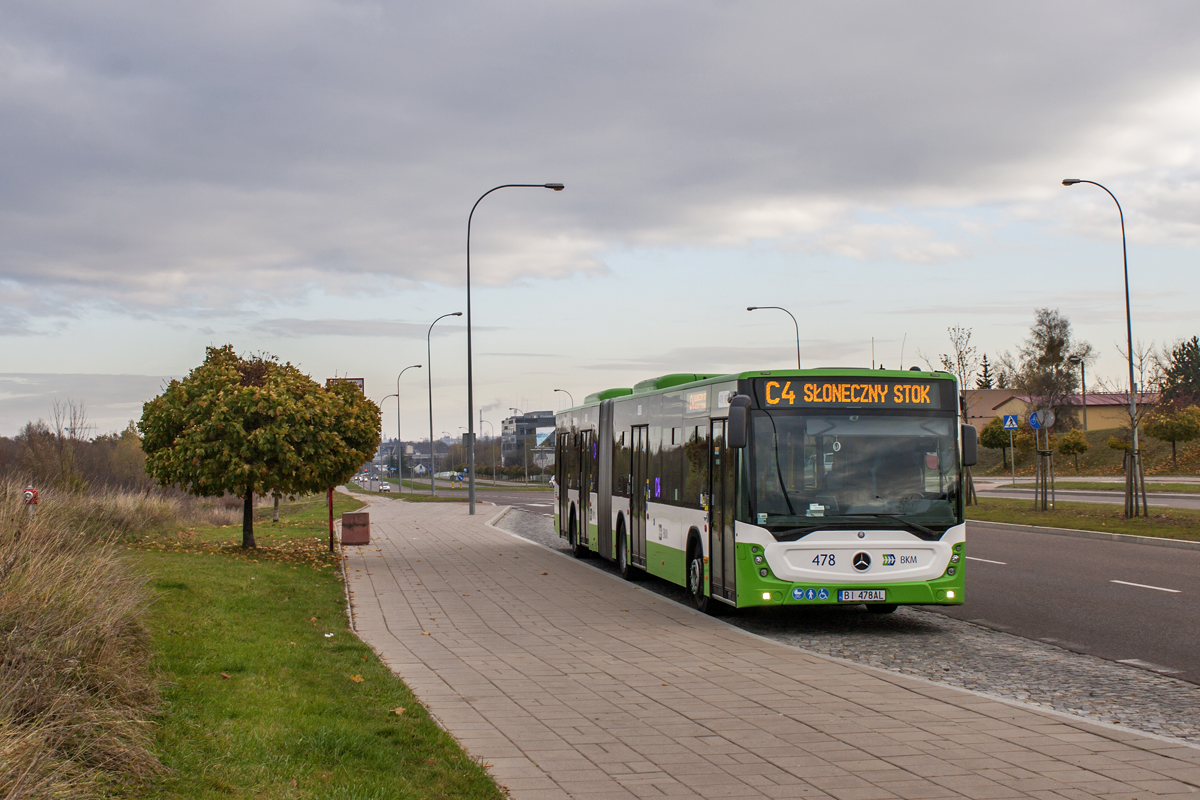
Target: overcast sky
column 295, row 178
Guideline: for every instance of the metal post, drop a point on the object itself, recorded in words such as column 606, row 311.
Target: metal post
column 1012, row 452
column 1128, row 334
column 558, row 187
column 399, row 445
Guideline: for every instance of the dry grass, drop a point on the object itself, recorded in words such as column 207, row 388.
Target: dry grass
column 76, row 688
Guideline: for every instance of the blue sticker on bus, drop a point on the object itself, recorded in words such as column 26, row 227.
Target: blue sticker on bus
column 797, row 593
column 822, row 594
column 811, row 594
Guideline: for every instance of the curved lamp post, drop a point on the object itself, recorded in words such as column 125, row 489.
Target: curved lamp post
column 568, row 394
column 1128, row 328
column 797, row 324
column 399, row 453
column 558, row 187
column 397, row 396
column 429, row 359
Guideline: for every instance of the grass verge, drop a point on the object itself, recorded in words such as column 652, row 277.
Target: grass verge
column 1179, row 488
column 270, row 695
column 1165, row 523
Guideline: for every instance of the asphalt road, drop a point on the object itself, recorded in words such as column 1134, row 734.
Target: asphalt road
column 537, row 501
column 1131, row 603
column 1162, row 499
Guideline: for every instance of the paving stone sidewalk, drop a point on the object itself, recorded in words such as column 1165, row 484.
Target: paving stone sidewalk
column 571, row 683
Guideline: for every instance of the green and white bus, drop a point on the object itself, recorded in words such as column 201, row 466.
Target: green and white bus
column 823, row 486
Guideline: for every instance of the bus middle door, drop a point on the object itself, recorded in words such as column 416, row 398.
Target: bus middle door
column 638, row 490
column 587, row 472
column 722, row 558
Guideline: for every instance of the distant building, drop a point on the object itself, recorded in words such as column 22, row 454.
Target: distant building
column 527, row 432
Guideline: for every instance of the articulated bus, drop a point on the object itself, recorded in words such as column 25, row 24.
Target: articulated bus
column 773, row 487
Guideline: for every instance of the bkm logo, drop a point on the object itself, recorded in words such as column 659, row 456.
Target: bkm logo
column 889, row 560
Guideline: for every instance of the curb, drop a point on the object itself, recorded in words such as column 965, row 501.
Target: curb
column 1152, row 541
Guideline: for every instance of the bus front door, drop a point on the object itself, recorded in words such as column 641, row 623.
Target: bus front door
column 722, row 559
column 638, row 489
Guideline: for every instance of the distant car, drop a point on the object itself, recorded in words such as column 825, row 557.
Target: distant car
column 385, row 487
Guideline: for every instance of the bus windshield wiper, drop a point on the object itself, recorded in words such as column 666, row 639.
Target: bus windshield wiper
column 906, row 522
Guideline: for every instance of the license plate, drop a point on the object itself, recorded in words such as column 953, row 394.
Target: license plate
column 862, row 595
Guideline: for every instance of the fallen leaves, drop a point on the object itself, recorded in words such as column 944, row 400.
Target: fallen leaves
column 398, row 711
column 223, row 675
column 359, row 679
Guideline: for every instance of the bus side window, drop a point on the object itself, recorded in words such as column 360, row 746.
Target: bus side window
column 621, row 466
column 695, row 482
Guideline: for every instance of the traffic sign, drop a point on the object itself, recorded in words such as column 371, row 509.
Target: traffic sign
column 1033, row 421
column 1010, row 422
column 1046, row 417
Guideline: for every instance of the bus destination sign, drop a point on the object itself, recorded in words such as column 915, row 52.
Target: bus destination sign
column 851, row 392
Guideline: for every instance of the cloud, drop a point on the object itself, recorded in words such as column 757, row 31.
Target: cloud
column 228, row 156
column 392, row 329
column 110, row 401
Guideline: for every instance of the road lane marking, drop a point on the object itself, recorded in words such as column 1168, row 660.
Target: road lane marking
column 1147, row 586
column 988, row 561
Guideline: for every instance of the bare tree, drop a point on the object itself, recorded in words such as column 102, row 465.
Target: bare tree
column 1042, row 370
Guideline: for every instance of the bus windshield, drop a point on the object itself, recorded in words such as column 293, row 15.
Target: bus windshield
column 810, row 471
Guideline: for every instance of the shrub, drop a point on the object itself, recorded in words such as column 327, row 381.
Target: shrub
column 76, row 689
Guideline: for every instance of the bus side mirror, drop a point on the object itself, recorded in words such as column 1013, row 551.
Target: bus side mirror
column 739, row 420
column 970, row 446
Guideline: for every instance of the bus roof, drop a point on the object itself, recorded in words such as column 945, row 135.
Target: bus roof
column 675, row 379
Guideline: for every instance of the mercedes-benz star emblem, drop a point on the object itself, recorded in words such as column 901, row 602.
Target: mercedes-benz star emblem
column 862, row 562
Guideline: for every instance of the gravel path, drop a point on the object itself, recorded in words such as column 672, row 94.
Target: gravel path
column 928, row 645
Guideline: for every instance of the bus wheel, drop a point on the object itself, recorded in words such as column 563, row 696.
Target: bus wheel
column 881, row 608
column 695, row 579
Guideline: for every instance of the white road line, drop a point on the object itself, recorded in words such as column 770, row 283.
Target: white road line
column 987, row 560
column 1145, row 586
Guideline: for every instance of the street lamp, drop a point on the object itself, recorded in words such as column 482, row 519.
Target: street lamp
column 797, row 324
column 399, row 452
column 568, row 394
column 558, row 187
column 429, row 358
column 381, row 402
column 1135, row 460
column 1082, row 384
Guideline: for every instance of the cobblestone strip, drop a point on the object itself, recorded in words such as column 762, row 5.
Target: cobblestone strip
column 938, row 648
column 571, row 684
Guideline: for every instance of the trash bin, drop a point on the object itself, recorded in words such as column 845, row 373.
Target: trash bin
column 356, row 527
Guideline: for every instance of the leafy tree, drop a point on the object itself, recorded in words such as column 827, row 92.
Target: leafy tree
column 1181, row 374
column 1173, row 425
column 1041, row 369
column 986, row 379
column 255, row 425
column 1073, row 443
column 994, row 437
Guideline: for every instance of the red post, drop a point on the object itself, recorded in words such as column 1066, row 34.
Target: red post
column 330, row 498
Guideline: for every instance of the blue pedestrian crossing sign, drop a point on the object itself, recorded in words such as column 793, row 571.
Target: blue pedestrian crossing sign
column 1010, row 422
